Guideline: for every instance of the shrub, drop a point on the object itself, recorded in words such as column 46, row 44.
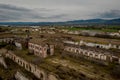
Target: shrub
column 115, row 72
column 10, row 47
column 2, row 44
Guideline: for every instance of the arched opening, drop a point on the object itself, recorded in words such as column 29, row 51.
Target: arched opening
column 23, row 64
column 41, row 76
column 48, row 49
column 97, row 46
column 117, row 46
column 115, row 60
column 30, row 68
column 77, row 51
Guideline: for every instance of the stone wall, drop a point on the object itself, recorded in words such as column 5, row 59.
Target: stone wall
column 2, row 62
column 92, row 54
column 38, row 72
column 7, row 40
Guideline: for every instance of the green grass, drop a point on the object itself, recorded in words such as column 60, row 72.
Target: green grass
column 24, row 54
column 102, row 29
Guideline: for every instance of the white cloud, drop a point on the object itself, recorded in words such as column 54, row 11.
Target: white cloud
column 57, row 10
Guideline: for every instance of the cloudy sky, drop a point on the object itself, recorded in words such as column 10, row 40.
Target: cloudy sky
column 57, row 10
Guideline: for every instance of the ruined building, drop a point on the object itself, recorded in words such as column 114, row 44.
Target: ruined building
column 40, row 49
column 91, row 53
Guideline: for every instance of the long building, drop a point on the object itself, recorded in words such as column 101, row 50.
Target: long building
column 91, row 53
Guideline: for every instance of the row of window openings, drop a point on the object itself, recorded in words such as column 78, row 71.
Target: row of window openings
column 115, row 46
column 34, row 47
column 77, row 51
column 27, row 66
column 40, row 48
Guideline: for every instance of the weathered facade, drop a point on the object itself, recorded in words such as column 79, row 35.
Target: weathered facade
column 38, row 72
column 103, row 56
column 41, row 50
column 7, row 40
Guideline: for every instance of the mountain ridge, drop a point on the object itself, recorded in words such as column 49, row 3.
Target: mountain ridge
column 88, row 21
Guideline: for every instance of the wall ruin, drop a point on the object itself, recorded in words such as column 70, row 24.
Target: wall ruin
column 42, row 51
column 39, row 73
column 92, row 54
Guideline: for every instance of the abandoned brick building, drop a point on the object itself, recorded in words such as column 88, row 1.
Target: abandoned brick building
column 40, row 49
column 91, row 53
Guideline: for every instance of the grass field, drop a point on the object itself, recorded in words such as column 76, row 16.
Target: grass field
column 102, row 29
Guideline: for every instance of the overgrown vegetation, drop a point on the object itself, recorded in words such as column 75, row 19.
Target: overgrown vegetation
column 8, row 74
column 10, row 47
column 3, row 29
column 3, row 44
column 7, row 46
column 115, row 71
column 64, row 73
column 111, row 69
